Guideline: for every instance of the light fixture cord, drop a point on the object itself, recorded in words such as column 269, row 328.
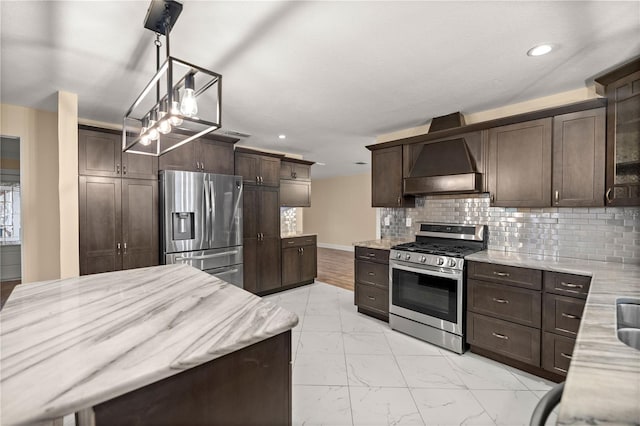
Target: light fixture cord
column 158, row 44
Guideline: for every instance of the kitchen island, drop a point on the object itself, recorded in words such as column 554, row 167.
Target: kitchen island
column 603, row 382
column 162, row 345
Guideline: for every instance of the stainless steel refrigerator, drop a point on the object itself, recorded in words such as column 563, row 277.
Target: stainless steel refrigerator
column 201, row 220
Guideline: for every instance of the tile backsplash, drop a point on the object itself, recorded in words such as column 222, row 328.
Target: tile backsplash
column 606, row 233
column 288, row 220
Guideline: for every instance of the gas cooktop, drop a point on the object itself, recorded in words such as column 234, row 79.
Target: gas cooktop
column 436, row 249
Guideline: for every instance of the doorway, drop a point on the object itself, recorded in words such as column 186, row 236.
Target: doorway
column 10, row 217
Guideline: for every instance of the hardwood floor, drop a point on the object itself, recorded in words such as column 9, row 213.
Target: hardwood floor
column 6, row 287
column 335, row 267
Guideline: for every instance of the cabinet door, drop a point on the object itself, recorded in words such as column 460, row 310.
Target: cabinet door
column 99, row 153
column 301, row 171
column 181, row 158
column 269, row 212
column 286, row 170
column 308, row 267
column 520, row 164
column 100, row 224
column 250, row 264
column 139, row 223
column 623, row 141
column 269, row 171
column 247, row 166
column 217, row 157
column 268, row 254
column 295, row 194
column 250, row 211
column 386, row 178
column 578, row 159
column 138, row 166
column 291, row 264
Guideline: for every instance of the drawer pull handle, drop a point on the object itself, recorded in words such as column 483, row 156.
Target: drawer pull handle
column 501, row 274
column 500, row 300
column 570, row 316
column 372, row 274
column 291, row 242
column 567, row 356
column 371, row 298
column 570, row 285
column 500, row 336
column 371, row 254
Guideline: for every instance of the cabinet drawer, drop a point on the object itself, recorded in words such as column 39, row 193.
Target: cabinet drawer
column 373, row 298
column 562, row 314
column 557, row 352
column 372, row 255
column 298, row 241
column 519, row 277
column 567, row 284
column 372, row 273
column 512, row 340
column 505, row 302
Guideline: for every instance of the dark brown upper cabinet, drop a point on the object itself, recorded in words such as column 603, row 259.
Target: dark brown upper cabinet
column 579, row 159
column 622, row 89
column 210, row 154
column 257, row 168
column 386, row 178
column 520, row 164
column 295, row 183
column 100, row 154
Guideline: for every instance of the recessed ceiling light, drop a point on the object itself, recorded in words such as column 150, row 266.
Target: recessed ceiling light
column 282, row 136
column 539, row 50
column 360, row 163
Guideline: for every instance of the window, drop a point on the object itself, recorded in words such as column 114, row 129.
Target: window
column 10, row 229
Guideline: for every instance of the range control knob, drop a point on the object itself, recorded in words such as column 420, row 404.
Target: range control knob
column 440, row 261
column 423, row 259
column 407, row 256
column 452, row 262
column 398, row 255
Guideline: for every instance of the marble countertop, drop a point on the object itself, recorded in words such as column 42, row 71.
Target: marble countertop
column 603, row 384
column 296, row 234
column 73, row 343
column 382, row 243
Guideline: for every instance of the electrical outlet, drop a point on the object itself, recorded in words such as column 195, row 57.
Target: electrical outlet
column 408, row 221
column 387, row 220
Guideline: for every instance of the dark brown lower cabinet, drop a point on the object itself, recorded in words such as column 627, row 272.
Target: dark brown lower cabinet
column 371, row 293
column 118, row 224
column 517, row 320
column 231, row 390
column 299, row 260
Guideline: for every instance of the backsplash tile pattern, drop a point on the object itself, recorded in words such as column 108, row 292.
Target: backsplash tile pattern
column 606, row 234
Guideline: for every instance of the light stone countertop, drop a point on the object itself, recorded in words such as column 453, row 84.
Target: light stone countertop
column 73, row 343
column 296, row 234
column 603, row 384
column 383, row 243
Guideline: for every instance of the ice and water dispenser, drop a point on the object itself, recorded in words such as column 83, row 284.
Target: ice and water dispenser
column 183, row 225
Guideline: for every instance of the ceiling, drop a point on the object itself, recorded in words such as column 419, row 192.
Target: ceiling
column 330, row 75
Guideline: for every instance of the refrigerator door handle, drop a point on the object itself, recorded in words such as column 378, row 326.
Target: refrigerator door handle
column 207, row 256
column 207, row 209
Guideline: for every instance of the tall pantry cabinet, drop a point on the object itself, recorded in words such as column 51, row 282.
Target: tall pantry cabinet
column 118, row 204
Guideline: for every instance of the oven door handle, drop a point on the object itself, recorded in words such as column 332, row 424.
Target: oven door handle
column 395, row 265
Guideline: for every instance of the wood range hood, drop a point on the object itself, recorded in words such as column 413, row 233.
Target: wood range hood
column 444, row 167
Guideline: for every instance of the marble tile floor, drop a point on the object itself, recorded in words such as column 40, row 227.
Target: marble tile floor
column 351, row 369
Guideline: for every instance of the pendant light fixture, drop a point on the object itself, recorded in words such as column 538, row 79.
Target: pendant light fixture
column 185, row 104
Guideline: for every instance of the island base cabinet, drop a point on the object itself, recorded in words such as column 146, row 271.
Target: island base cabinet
column 251, row 386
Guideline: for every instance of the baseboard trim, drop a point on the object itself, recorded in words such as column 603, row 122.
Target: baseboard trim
column 336, row 247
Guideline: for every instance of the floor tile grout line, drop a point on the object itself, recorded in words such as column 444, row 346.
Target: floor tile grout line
column 344, row 355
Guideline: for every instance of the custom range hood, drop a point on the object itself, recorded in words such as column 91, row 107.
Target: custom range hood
column 444, row 167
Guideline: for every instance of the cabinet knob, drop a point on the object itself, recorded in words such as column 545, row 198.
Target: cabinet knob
column 118, row 248
column 557, row 197
column 399, row 200
column 125, row 248
column 118, row 168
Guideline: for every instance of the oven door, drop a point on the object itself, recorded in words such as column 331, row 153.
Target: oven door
column 431, row 297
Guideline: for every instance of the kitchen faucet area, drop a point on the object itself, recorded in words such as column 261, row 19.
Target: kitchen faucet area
column 319, row 213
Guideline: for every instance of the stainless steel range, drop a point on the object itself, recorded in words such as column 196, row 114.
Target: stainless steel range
column 427, row 283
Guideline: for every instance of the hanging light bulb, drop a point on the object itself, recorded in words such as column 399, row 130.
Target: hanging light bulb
column 144, row 140
column 153, row 132
column 164, row 126
column 175, row 119
column 189, row 106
